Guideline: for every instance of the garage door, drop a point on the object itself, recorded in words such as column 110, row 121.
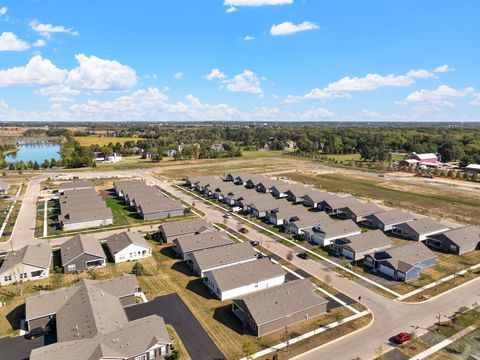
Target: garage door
column 347, row 253
column 386, row 270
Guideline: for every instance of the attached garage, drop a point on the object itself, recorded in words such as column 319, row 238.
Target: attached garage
column 386, row 270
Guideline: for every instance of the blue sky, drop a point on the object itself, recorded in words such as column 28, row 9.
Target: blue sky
column 262, row 60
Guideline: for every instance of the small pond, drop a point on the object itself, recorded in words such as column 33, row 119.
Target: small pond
column 34, row 150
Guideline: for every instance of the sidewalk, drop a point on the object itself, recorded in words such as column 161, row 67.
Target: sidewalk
column 445, row 343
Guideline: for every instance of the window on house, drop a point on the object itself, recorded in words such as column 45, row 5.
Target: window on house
column 8, row 278
column 151, row 354
column 252, row 324
column 141, row 357
column 71, row 267
column 23, row 276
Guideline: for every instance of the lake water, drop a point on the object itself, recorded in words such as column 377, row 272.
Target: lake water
column 34, row 152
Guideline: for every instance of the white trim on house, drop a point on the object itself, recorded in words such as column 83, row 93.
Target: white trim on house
column 132, row 252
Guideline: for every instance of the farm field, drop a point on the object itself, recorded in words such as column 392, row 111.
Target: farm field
column 103, row 140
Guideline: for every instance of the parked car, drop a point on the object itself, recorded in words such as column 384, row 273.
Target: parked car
column 303, row 255
column 254, row 243
column 227, row 215
column 401, row 338
column 37, row 332
column 243, row 230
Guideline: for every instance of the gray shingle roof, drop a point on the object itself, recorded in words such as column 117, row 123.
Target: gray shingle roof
column 337, row 228
column 78, row 245
column 39, row 255
column 184, row 227
column 312, row 218
column 118, row 242
column 202, row 241
column 339, row 202
column 363, row 209
column 267, row 203
column 392, row 216
column 280, row 301
column 409, row 254
column 49, row 302
column 125, row 342
column 369, row 240
column 82, row 205
column 75, row 185
column 463, row 236
column 423, row 226
column 223, row 255
column 251, row 272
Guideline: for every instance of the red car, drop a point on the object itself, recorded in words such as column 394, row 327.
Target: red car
column 401, row 338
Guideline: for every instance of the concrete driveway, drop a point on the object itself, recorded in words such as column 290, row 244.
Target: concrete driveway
column 174, row 311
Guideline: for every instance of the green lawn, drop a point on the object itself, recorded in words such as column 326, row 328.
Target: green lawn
column 122, row 213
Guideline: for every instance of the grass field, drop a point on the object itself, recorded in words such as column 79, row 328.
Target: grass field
column 103, row 140
column 357, row 157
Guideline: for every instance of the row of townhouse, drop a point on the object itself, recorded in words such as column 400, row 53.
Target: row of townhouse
column 261, row 298
column 280, row 204
column 90, row 322
column 80, row 253
column 147, row 200
column 81, row 207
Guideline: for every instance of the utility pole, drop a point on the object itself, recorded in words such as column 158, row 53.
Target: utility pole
column 439, row 317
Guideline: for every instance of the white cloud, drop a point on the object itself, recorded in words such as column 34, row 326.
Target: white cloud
column 316, row 113
column 443, row 68
column 10, row 42
column 249, row 38
column 56, row 106
column 40, row 43
column 369, row 82
column 231, row 9
column 288, row 28
column 57, row 90
column 437, row 97
column 61, row 99
column 92, row 73
column 256, row 2
column 247, row 81
column 98, row 74
column 46, row 30
column 178, row 75
column 38, row 71
column 214, row 74
column 421, row 74
column 3, row 10
column 476, row 100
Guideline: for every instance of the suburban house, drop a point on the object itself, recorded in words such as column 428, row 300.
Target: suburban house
column 128, row 246
column 283, row 190
column 148, row 201
column 259, row 208
column 178, row 229
column 80, row 253
column 275, row 308
column 285, row 212
column 31, row 262
column 313, row 198
column 251, row 181
column 90, row 322
column 194, row 182
column 419, row 229
column 264, row 186
column 357, row 212
column 403, row 262
column 242, row 279
column 296, row 224
column 334, row 204
column 457, row 241
column 245, row 199
column 386, row 220
column 83, row 208
column 295, row 193
column 326, row 234
column 221, row 256
column 186, row 245
column 357, row 246
column 4, row 186
column 74, row 185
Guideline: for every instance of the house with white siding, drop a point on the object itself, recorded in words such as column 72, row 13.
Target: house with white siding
column 326, row 234
column 242, row 279
column 128, row 246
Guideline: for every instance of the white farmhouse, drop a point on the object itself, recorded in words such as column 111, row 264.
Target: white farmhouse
column 128, row 246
